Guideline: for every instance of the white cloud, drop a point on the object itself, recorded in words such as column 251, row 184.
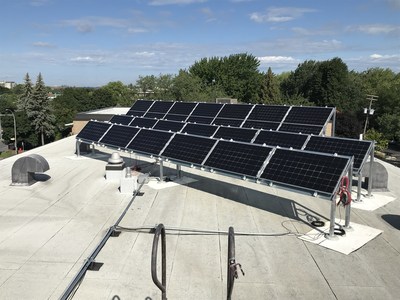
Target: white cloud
column 171, row 2
column 376, row 29
column 280, row 14
column 88, row 24
column 88, row 59
column 385, row 57
column 43, row 45
column 275, row 59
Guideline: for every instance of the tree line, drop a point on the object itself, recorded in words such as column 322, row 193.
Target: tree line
column 319, row 83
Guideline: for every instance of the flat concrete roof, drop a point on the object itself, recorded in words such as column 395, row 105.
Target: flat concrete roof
column 47, row 230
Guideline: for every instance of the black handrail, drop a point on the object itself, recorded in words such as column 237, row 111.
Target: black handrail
column 160, row 229
column 232, row 265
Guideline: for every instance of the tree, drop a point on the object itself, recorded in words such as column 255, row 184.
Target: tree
column 270, row 93
column 38, row 110
column 121, row 94
column 26, row 93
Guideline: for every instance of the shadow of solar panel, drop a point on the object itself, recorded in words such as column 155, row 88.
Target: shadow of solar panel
column 347, row 147
column 300, row 128
column 281, row 139
column 238, row 158
column 235, row 111
column 200, row 120
column 172, row 117
column 93, row 131
column 143, row 122
column 135, row 113
column 161, row 107
column 199, row 129
column 188, row 148
column 269, row 113
column 119, row 135
column 228, row 122
column 149, row 141
column 120, row 119
column 308, row 115
column 236, row 134
column 169, row 125
column 142, row 105
column 207, row 110
column 182, row 108
column 260, row 125
column 154, row 115
column 315, row 172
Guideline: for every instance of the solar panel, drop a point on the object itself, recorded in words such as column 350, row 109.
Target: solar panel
column 135, row 113
column 188, row 148
column 169, row 125
column 281, row 139
column 154, row 115
column 316, row 172
column 235, row 111
column 161, row 106
column 239, row 158
column 199, row 129
column 173, row 117
column 182, row 108
column 236, row 134
column 300, row 128
column 150, row 141
column 93, row 131
column 121, row 119
column 141, row 105
column 308, row 115
column 143, row 122
column 260, row 125
column 227, row 122
column 207, row 110
column 201, row 120
column 119, row 136
column 271, row 113
column 356, row 148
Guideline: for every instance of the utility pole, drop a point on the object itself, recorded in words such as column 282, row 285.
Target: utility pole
column 369, row 111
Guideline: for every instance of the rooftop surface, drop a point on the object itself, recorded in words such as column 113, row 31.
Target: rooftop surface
column 47, row 230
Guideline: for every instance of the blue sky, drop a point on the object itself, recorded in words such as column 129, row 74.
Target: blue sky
column 90, row 43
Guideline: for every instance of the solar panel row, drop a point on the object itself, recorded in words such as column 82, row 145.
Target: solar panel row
column 311, row 171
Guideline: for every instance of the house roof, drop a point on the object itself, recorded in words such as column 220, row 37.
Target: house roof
column 48, row 230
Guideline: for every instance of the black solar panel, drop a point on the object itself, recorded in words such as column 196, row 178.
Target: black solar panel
column 235, row 111
column 299, row 128
column 150, row 141
column 135, row 113
column 173, row 117
column 260, row 125
column 199, row 129
column 347, row 147
column 141, row 105
column 200, row 120
column 316, row 172
column 245, row 159
column 227, row 122
column 120, row 119
column 308, row 115
column 188, row 148
column 182, row 108
column 236, row 134
column 93, row 131
column 281, row 139
column 207, row 110
column 161, row 106
column 169, row 125
column 154, row 115
column 143, row 122
column 119, row 136
column 271, row 113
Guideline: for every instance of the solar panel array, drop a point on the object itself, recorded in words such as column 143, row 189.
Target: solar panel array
column 245, row 160
column 298, row 119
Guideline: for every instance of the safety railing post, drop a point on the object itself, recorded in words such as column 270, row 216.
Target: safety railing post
column 160, row 230
column 232, row 265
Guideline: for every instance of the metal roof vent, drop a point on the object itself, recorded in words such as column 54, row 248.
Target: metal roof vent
column 24, row 169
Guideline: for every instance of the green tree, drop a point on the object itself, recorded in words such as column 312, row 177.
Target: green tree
column 389, row 125
column 146, row 85
column 270, row 93
column 121, row 94
column 38, row 110
column 26, row 93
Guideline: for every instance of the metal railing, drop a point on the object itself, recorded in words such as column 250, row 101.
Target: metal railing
column 160, row 230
